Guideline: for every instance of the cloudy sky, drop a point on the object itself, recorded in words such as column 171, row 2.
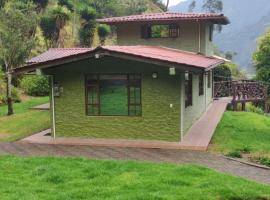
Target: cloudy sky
column 173, row 2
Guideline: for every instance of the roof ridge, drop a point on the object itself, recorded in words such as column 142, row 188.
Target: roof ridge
column 71, row 48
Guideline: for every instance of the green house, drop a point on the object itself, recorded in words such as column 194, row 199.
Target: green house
column 153, row 85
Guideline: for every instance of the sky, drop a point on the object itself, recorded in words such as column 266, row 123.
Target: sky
column 173, row 2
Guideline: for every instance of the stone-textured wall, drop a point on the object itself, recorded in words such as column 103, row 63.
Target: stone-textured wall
column 158, row 120
column 130, row 34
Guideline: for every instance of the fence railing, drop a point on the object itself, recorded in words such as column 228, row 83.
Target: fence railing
column 244, row 90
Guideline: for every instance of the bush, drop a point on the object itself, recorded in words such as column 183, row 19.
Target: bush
column 35, row 85
column 264, row 161
column 234, row 154
column 255, row 109
column 15, row 96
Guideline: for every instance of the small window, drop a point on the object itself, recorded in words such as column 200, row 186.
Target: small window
column 209, row 81
column 160, row 31
column 211, row 28
column 113, row 95
column 201, row 84
column 188, row 90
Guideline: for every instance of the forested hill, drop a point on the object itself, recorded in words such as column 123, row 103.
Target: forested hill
column 249, row 19
column 71, row 23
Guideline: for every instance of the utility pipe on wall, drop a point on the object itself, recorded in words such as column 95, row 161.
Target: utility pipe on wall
column 53, row 105
column 182, row 106
column 199, row 36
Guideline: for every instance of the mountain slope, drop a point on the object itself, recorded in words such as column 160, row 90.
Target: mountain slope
column 249, row 19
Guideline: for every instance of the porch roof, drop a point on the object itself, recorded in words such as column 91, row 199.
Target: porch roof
column 163, row 56
column 167, row 17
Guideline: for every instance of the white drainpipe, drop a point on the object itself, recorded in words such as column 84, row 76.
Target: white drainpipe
column 182, row 106
column 205, row 89
column 53, row 105
column 199, row 32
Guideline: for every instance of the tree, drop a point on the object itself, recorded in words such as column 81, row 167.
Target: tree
column 41, row 5
column 88, row 26
column 17, row 19
column 222, row 73
column 167, row 5
column 51, row 25
column 103, row 32
column 262, row 58
column 212, row 6
column 192, row 6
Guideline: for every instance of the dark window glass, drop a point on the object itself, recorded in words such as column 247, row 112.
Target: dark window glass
column 160, row 31
column 209, row 81
column 113, row 95
column 134, row 95
column 201, row 84
column 211, row 27
column 188, row 90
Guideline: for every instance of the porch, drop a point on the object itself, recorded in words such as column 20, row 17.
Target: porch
column 197, row 138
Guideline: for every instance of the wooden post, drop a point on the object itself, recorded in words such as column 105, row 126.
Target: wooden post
column 244, row 106
column 234, row 106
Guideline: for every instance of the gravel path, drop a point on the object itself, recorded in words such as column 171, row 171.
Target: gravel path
column 213, row 161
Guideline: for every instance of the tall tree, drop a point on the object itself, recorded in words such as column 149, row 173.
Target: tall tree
column 167, row 5
column 17, row 19
column 213, row 6
column 41, row 5
column 88, row 26
column 51, row 25
column 262, row 58
column 103, row 32
column 192, row 6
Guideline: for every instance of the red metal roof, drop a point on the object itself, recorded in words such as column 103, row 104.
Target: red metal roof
column 167, row 16
column 167, row 54
column 57, row 53
column 152, row 53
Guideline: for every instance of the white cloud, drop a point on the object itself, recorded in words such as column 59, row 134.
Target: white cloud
column 173, row 2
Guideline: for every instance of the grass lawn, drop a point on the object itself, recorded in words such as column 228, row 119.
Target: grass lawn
column 72, row 178
column 245, row 132
column 25, row 121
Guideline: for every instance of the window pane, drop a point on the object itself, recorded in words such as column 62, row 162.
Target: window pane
column 201, row 84
column 113, row 95
column 93, row 110
column 159, row 31
column 92, row 95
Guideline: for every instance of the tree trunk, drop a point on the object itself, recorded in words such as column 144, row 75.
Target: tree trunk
column 167, row 5
column 9, row 94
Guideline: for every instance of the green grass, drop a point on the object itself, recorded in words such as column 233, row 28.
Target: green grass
column 24, row 106
column 243, row 131
column 24, row 122
column 72, row 178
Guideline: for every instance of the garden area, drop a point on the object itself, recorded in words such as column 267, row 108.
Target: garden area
column 74, row 178
column 30, row 91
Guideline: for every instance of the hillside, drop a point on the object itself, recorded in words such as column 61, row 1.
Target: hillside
column 249, row 19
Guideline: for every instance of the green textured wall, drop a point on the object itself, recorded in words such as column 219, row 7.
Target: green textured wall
column 158, row 121
column 130, row 34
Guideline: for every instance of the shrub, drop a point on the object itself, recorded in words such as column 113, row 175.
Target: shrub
column 255, row 109
column 264, row 161
column 234, row 154
column 245, row 150
column 35, row 85
column 15, row 96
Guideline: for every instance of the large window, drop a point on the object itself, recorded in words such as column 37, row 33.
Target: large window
column 188, row 89
column 201, row 84
column 113, row 95
column 160, row 31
